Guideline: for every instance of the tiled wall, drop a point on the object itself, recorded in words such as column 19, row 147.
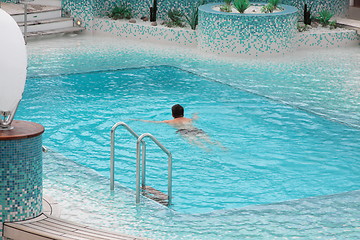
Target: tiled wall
column 86, row 10
column 123, row 29
column 21, row 179
column 331, row 39
column 250, row 34
column 80, row 9
column 279, row 42
column 139, row 8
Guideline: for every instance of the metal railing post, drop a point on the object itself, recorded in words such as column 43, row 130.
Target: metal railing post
column 25, row 22
column 139, row 163
column 140, row 139
column 25, row 2
column 112, row 149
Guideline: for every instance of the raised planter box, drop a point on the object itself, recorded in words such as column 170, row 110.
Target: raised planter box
column 246, row 34
column 140, row 31
column 239, row 44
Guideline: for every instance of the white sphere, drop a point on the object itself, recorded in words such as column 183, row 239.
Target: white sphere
column 13, row 63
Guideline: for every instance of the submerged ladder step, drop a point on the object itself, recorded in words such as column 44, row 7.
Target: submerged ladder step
column 155, row 195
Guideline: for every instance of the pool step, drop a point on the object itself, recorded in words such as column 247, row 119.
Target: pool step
column 37, row 14
column 42, row 20
column 47, row 24
column 155, row 195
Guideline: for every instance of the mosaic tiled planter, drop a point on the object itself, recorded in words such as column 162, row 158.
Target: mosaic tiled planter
column 330, row 39
column 124, row 29
column 20, row 172
column 246, row 34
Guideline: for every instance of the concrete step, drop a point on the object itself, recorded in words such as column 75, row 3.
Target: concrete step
column 48, row 24
column 38, row 15
column 56, row 31
column 42, row 20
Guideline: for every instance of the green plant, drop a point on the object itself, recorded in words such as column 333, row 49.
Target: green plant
column 302, row 27
column 193, row 17
column 332, row 24
column 275, row 3
column 268, row 8
column 176, row 19
column 226, row 8
column 241, row 5
column 271, row 6
column 120, row 12
column 324, row 17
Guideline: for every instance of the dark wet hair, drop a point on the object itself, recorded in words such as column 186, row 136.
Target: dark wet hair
column 177, row 111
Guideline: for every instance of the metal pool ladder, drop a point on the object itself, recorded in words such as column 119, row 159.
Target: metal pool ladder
column 147, row 191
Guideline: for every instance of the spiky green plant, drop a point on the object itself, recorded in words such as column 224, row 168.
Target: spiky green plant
column 275, row 3
column 268, row 8
column 226, row 8
column 332, row 24
column 176, row 19
column 241, row 5
column 193, row 17
column 120, row 12
column 324, row 17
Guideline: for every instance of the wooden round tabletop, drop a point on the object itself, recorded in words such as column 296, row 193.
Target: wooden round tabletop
column 22, row 129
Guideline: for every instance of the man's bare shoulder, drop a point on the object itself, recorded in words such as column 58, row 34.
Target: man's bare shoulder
column 180, row 122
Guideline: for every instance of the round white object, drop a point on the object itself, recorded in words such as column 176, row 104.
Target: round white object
column 13, row 63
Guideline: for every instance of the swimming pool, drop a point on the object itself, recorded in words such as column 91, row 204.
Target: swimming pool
column 277, row 145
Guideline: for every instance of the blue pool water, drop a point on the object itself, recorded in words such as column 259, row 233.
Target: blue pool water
column 291, row 129
column 275, row 152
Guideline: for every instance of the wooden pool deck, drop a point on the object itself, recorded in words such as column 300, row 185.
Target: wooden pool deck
column 49, row 226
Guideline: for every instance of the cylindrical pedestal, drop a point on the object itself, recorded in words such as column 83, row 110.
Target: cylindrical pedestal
column 20, row 172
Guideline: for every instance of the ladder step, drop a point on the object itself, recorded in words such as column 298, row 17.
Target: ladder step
column 155, row 195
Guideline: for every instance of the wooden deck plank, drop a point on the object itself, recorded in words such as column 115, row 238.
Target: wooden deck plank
column 97, row 236
column 21, row 232
column 46, row 228
column 62, row 222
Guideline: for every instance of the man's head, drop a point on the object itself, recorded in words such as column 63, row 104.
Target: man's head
column 177, row 111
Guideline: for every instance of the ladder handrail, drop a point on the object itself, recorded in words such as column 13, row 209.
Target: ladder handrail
column 140, row 139
column 112, row 149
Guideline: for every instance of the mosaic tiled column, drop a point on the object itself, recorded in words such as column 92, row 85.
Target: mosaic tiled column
column 20, row 172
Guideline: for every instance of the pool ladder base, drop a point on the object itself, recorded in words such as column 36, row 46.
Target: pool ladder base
column 155, row 195
column 147, row 191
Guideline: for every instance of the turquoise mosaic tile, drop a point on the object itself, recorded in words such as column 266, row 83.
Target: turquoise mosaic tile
column 250, row 34
column 21, row 179
column 331, row 39
column 80, row 10
column 140, row 8
column 123, row 29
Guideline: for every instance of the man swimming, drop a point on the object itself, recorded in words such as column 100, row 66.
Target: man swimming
column 186, row 128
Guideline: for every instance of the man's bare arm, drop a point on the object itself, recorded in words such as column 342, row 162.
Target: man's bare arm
column 142, row 120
